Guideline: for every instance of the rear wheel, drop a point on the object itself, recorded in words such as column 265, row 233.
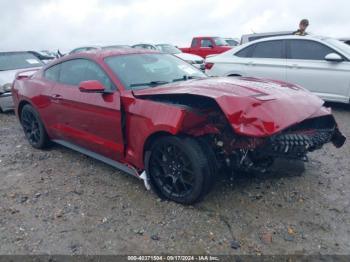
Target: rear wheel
column 178, row 169
column 33, row 127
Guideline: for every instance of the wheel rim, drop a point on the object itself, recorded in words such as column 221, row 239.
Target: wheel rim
column 31, row 127
column 172, row 170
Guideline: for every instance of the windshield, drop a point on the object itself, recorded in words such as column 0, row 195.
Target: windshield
column 220, row 41
column 231, row 42
column 12, row 61
column 139, row 71
column 339, row 45
column 169, row 49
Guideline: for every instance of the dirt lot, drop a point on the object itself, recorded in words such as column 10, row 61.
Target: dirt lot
column 61, row 202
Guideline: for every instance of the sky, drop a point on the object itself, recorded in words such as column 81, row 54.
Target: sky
column 66, row 24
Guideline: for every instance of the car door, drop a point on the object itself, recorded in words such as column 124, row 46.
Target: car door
column 307, row 67
column 89, row 120
column 206, row 47
column 47, row 107
column 264, row 59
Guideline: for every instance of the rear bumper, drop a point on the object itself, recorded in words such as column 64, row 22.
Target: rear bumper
column 6, row 102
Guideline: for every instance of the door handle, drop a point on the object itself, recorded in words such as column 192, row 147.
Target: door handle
column 56, row 97
column 250, row 63
column 296, row 66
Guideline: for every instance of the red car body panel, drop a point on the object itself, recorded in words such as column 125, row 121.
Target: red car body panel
column 119, row 125
column 196, row 48
column 254, row 107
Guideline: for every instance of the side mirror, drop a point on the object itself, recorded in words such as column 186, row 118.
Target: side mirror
column 333, row 57
column 91, row 86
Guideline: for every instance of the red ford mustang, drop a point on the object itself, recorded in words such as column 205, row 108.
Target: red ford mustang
column 154, row 116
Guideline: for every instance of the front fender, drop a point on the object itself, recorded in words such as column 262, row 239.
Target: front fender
column 146, row 117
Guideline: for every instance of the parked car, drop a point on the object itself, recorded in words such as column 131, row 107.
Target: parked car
column 43, row 56
column 116, row 46
column 319, row 64
column 10, row 64
column 345, row 40
column 96, row 47
column 256, row 36
column 195, row 60
column 155, row 116
column 204, row 46
column 232, row 41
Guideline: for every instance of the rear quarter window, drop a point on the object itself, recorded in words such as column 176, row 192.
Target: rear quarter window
column 53, row 73
column 246, row 52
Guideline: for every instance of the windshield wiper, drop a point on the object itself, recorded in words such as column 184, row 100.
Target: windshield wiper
column 186, row 77
column 152, row 83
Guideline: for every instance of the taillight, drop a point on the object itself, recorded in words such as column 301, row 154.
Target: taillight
column 208, row 66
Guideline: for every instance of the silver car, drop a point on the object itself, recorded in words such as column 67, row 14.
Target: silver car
column 10, row 64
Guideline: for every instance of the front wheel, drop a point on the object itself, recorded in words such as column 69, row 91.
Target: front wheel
column 33, row 127
column 179, row 169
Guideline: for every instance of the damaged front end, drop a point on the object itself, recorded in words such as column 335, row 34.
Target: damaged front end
column 229, row 137
column 258, row 153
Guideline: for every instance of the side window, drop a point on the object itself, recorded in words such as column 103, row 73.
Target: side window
column 72, row 72
column 53, row 73
column 194, row 42
column 75, row 71
column 308, row 50
column 94, row 72
column 269, row 49
column 246, row 52
column 206, row 43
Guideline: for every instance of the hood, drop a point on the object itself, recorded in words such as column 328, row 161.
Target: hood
column 254, row 107
column 189, row 57
column 7, row 76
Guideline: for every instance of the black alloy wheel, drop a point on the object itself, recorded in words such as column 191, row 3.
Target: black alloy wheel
column 179, row 169
column 33, row 127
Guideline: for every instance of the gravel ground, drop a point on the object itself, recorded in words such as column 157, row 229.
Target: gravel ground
column 58, row 201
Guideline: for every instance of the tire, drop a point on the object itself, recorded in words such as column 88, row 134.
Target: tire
column 212, row 162
column 178, row 169
column 33, row 127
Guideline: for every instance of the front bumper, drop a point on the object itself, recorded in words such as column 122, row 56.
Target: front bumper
column 305, row 137
column 6, row 102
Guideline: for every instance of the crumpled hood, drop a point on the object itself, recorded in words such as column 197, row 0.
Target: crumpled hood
column 254, row 107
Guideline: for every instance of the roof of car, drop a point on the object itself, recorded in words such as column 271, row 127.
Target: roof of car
column 309, row 37
column 13, row 52
column 268, row 33
column 102, row 53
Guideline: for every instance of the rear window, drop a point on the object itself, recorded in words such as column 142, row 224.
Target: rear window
column 206, row 43
column 269, row 49
column 194, row 42
column 13, row 61
column 220, row 41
